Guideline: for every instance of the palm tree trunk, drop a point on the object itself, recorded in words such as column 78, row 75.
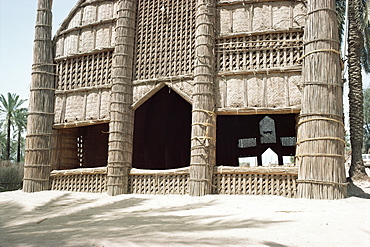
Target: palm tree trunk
column 320, row 144
column 122, row 116
column 356, row 115
column 19, row 147
column 8, row 138
column 41, row 104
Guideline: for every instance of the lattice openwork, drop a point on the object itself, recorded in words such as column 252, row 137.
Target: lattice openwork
column 165, row 38
column 95, row 183
column 255, row 184
column 259, row 51
column 85, row 71
column 161, row 184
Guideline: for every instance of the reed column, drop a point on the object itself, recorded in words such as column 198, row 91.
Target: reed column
column 320, row 144
column 41, row 105
column 121, row 114
column 203, row 137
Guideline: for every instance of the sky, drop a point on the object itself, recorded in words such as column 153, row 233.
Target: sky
column 17, row 21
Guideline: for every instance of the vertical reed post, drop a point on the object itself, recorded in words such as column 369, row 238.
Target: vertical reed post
column 121, row 114
column 320, row 145
column 203, row 137
column 41, row 104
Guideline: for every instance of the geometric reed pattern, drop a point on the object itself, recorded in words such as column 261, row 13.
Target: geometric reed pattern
column 259, row 51
column 231, row 184
column 95, row 183
column 85, row 71
column 165, row 38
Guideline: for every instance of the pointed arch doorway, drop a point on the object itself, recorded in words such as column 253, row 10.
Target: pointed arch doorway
column 162, row 132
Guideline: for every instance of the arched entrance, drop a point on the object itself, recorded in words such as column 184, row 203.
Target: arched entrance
column 162, row 132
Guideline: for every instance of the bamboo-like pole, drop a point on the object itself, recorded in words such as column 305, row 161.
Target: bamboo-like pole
column 41, row 104
column 320, row 146
column 203, row 138
column 121, row 113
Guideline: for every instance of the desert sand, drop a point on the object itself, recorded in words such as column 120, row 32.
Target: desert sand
column 55, row 218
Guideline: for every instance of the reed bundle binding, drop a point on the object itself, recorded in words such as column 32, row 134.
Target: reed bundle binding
column 320, row 153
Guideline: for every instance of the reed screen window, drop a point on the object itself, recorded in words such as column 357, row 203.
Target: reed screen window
column 263, row 51
column 250, row 136
column 85, row 71
column 165, row 38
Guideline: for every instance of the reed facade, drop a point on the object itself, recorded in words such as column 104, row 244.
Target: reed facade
column 178, row 97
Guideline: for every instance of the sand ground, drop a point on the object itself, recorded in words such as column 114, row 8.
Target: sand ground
column 54, row 218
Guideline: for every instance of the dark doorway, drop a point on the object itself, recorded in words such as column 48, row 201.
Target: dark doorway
column 162, row 132
column 249, row 136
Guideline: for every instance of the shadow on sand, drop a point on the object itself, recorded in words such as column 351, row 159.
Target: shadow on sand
column 65, row 221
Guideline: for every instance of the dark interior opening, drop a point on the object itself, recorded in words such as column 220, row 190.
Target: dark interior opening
column 162, row 132
column 83, row 146
column 252, row 135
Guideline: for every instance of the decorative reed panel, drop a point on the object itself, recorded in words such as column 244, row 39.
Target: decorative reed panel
column 159, row 184
column 251, row 52
column 165, row 38
column 96, row 183
column 85, row 71
column 255, row 184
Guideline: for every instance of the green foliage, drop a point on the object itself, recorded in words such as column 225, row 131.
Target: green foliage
column 340, row 7
column 11, row 175
column 13, row 120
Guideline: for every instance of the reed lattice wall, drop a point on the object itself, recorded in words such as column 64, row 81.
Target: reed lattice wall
column 96, row 183
column 85, row 71
column 255, row 184
column 159, row 184
column 165, row 38
column 251, row 52
column 280, row 181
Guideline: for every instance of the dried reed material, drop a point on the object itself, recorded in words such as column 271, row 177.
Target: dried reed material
column 203, row 141
column 236, row 2
column 258, row 110
column 66, row 149
column 270, row 170
column 90, row 182
column 41, row 104
column 168, row 172
column 320, row 153
column 164, row 38
column 255, row 184
column 80, row 124
column 80, row 171
column 285, row 69
column 121, row 113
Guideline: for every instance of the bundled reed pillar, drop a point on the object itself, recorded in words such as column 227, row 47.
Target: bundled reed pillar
column 320, row 145
column 203, row 137
column 41, row 105
column 121, row 114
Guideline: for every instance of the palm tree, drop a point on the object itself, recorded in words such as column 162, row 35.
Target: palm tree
column 358, row 59
column 2, row 142
column 20, row 121
column 8, row 107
